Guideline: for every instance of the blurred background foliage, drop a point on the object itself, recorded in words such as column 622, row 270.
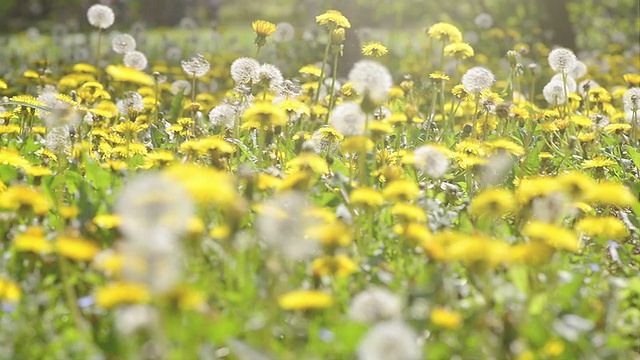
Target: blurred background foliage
column 577, row 24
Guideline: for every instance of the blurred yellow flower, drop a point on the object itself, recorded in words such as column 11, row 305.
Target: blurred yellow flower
column 305, row 300
column 445, row 318
column 608, row 227
column 33, row 240
column 120, row 293
column 338, row 265
column 76, row 248
column 445, row 32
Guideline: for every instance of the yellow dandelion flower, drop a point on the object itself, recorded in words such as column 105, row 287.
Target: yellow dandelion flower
column 333, row 18
column 338, row 265
column 374, row 49
column 305, row 300
column 401, row 191
column 444, row 318
column 617, row 129
column 366, row 197
column 598, row 163
column 84, row 68
column 33, row 240
column 409, row 213
column 553, row 348
column 331, row 235
column 576, row 185
column 459, row 50
column 308, row 162
column 531, row 188
column 356, row 144
column 37, row 171
column 607, row 227
column 330, row 134
column 533, row 253
column 107, row 221
column 493, row 203
column 311, row 69
column 119, row 293
column 20, row 197
column 263, row 28
column 76, row 248
column 439, row 75
column 127, row 74
column 552, row 235
column 266, row 114
column 445, row 32
column 9, row 291
column 632, row 79
column 69, row 212
column 503, row 145
column 610, row 193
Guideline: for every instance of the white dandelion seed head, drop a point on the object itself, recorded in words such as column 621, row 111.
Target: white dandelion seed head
column 271, row 76
column 130, row 101
column 483, row 21
column 285, row 32
column 562, row 60
column 631, row 99
column 223, row 115
column 375, row 304
column 431, row 161
column 571, row 83
column 197, row 66
column 371, row 79
column 291, row 89
column 585, row 85
column 135, row 60
column 554, row 93
column 132, row 318
column 244, row 70
column 58, row 139
column 154, row 210
column 477, row 79
column 550, row 207
column 180, row 86
column 390, row 340
column 282, row 226
column 579, row 70
column 348, row 119
column 123, row 43
column 100, row 16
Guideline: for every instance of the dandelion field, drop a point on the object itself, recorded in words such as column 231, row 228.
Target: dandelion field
column 169, row 195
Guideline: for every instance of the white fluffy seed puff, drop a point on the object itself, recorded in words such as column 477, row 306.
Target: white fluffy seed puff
column 100, row 16
column 477, row 79
column 371, row 79
column 390, row 340
column 349, row 119
column 431, row 161
column 562, row 60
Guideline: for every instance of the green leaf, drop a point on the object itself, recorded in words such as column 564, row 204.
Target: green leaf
column 22, row 103
column 176, row 108
column 635, row 156
column 538, row 304
column 520, row 278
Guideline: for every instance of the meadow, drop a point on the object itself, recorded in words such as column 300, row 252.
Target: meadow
column 201, row 194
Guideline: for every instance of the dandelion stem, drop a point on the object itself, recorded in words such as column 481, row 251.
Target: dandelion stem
column 324, row 63
column 334, row 75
